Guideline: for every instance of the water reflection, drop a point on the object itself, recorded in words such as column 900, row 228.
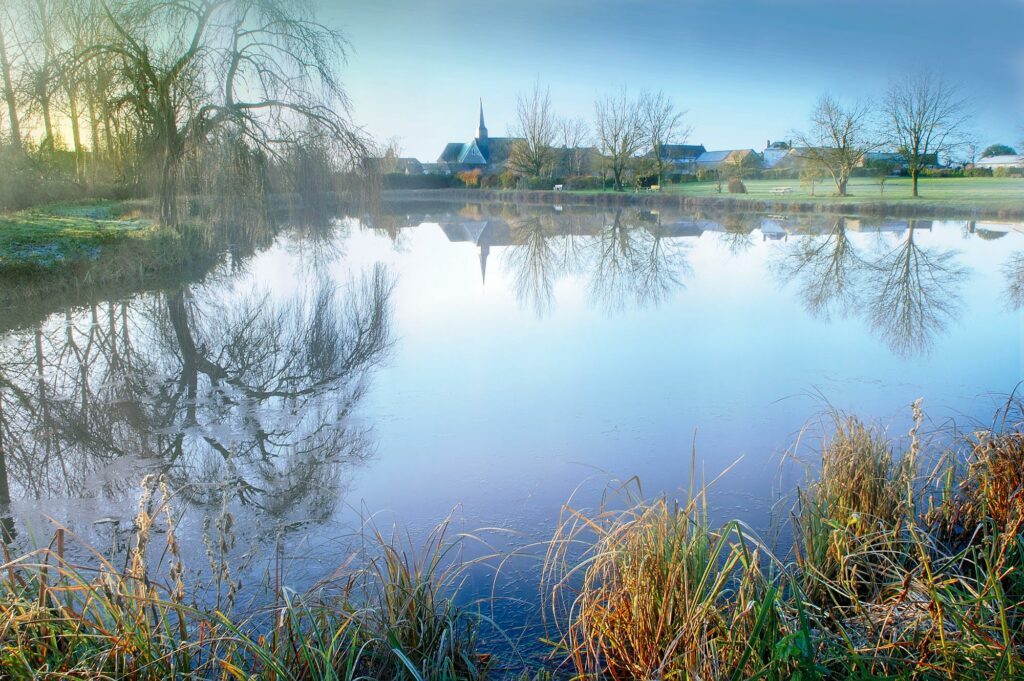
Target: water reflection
column 906, row 293
column 1014, row 270
column 874, row 269
column 827, row 268
column 231, row 394
column 914, row 293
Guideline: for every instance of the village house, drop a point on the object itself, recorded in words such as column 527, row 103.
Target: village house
column 1003, row 161
column 727, row 159
column 681, row 159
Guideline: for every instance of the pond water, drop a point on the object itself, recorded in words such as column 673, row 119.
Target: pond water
column 490, row 361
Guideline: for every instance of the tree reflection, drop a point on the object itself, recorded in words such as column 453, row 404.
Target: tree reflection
column 914, row 294
column 737, row 235
column 633, row 265
column 534, row 263
column 1014, row 270
column 828, row 271
column 226, row 393
column 907, row 294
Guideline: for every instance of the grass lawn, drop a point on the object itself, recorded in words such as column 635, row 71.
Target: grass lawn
column 995, row 193
column 54, row 237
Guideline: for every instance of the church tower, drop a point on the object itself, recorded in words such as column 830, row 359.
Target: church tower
column 481, row 131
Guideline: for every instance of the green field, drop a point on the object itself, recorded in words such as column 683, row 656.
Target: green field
column 981, row 192
column 53, row 237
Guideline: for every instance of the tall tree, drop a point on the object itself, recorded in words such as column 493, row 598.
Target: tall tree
column 619, row 128
column 537, row 127
column 8, row 85
column 839, row 138
column 998, row 150
column 250, row 71
column 574, row 136
column 925, row 118
column 663, row 124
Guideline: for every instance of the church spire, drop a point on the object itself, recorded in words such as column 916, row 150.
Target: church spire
column 481, row 131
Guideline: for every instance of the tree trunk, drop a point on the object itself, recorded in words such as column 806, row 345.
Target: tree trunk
column 44, row 102
column 12, row 104
column 168, row 201
column 913, row 181
column 76, row 132
column 842, row 187
column 94, row 135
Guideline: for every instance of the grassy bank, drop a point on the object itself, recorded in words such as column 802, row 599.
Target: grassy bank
column 953, row 198
column 907, row 564
column 60, row 247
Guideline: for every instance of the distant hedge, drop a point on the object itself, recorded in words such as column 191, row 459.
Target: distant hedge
column 402, row 181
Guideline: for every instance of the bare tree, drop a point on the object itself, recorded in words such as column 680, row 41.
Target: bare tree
column 8, row 85
column 255, row 70
column 839, row 138
column 663, row 124
column 574, row 136
column 925, row 118
column 619, row 128
column 536, row 126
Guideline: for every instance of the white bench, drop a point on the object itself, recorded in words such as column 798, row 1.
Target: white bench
column 558, row 187
column 781, row 190
column 654, row 188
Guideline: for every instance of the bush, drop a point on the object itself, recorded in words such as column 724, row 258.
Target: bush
column 1009, row 172
column 537, row 183
column 941, row 172
column 402, row 181
column 978, row 172
column 736, row 186
column 470, row 178
column 490, row 181
column 584, row 182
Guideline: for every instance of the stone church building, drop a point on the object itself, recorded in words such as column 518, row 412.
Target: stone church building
column 489, row 154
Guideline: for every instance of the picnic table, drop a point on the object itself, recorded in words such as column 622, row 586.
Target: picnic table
column 781, row 190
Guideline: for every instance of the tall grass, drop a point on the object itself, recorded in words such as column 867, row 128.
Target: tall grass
column 393, row 617
column 906, row 564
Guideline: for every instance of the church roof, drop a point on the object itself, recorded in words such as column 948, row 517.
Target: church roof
column 451, row 153
column 472, row 155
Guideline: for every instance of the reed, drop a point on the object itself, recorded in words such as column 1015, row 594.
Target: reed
column 652, row 591
column 899, row 570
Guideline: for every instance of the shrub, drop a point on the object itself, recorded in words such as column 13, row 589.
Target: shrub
column 584, row 182
column 1009, row 172
column 540, row 183
column 403, row 181
column 977, row 172
column 470, row 178
column 736, row 186
column 508, row 180
column 941, row 172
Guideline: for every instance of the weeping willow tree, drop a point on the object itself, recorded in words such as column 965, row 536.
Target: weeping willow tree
column 240, row 80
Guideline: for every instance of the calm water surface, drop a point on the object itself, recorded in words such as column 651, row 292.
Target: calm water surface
column 490, row 360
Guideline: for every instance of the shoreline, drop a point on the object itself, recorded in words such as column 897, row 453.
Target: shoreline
column 925, row 209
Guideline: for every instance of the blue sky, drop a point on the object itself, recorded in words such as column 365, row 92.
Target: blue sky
column 746, row 70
